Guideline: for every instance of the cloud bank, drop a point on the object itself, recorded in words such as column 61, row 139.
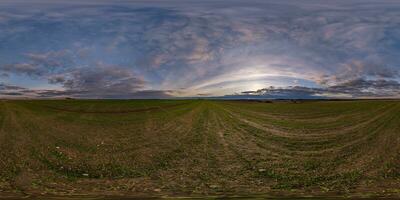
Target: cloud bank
column 358, row 88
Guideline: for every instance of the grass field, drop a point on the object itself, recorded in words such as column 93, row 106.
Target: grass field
column 199, row 147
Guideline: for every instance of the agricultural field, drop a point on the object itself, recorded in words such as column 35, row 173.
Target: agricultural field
column 199, row 148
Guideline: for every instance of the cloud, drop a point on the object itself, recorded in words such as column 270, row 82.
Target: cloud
column 40, row 64
column 22, row 68
column 142, row 94
column 200, row 46
column 150, row 94
column 291, row 92
column 4, row 75
column 368, row 88
column 5, row 87
column 358, row 69
column 100, row 80
column 97, row 80
column 357, row 88
column 12, row 91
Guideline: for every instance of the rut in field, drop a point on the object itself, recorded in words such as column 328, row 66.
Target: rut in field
column 198, row 147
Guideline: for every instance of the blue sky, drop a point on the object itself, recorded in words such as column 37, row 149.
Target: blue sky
column 163, row 49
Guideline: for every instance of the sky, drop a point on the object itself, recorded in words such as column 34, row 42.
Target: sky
column 186, row 48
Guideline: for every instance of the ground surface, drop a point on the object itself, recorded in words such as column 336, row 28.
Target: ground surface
column 196, row 148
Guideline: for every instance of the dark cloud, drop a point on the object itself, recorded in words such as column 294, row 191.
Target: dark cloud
column 204, row 94
column 4, row 87
column 95, row 81
column 143, row 94
column 367, row 88
column 11, row 93
column 22, row 68
column 53, row 93
column 149, row 94
column 100, row 80
column 296, row 92
column 40, row 64
column 4, row 75
column 358, row 88
column 357, row 69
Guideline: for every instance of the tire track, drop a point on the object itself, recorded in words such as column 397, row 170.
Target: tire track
column 114, row 112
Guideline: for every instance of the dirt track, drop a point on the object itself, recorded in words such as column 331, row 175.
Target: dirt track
column 112, row 112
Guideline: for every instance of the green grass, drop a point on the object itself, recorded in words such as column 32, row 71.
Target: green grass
column 199, row 147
